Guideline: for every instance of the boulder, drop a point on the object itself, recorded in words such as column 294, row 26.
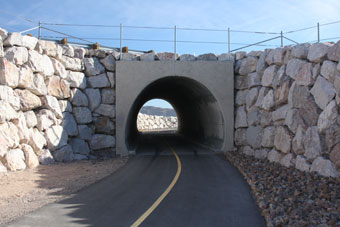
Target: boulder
column 82, row 114
column 111, row 77
column 31, row 119
column 38, row 86
column 85, row 132
column 51, row 49
column 268, row 102
column 312, row 143
column 240, row 137
column 148, row 57
column 9, row 73
column 261, row 153
column 316, row 71
column 168, row 56
column 254, row 136
column 297, row 95
column 23, row 132
column 17, row 55
column 337, row 88
column 328, row 70
column 281, row 93
column 129, row 57
column 9, row 135
column 108, row 96
column 7, row 113
column 294, row 66
column 241, row 97
column 262, row 93
column 51, row 103
column 253, row 117
column 248, row 65
column 15, row 160
column 37, row 140
column 293, row 120
column 286, row 160
column 45, row 157
column 76, row 79
column 274, row 156
column 31, row 158
column 70, row 124
column 65, row 105
column 104, row 125
column 3, row 169
column 207, row 57
column 25, row 77
column 304, row 76
column 300, row 50
column 275, row 56
column 93, row 67
column 240, row 54
column 251, row 97
column 99, row 81
column 79, row 146
column 46, row 119
column 280, row 113
column 302, row 164
column 63, row 154
column 68, row 50
column 187, row 57
column 40, row 63
column 3, row 34
column 328, row 116
column 101, row 141
column 309, row 112
column 268, row 76
column 78, row 98
column 268, row 137
column 241, row 82
column 283, row 139
column 74, row 64
column 261, row 63
column 324, row 167
column 58, row 88
column 241, row 117
column 56, row 137
column 16, row 39
column 332, row 136
column 335, row 155
column 318, row 52
column 28, row 100
column 94, row 97
column 106, row 110
column 297, row 143
column 248, row 151
column 266, row 118
column 59, row 68
column 280, row 77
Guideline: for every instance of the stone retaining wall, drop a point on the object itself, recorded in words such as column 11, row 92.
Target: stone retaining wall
column 147, row 122
column 287, row 102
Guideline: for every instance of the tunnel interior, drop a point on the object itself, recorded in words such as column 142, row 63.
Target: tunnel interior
column 200, row 119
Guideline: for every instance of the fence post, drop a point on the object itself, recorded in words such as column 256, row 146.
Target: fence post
column 175, row 42
column 228, row 40
column 120, row 44
column 39, row 30
column 281, row 39
column 318, row 25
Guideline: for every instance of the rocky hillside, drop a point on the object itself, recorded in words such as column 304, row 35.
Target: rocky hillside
column 158, row 111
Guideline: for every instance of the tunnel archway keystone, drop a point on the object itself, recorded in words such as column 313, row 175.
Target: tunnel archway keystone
column 201, row 93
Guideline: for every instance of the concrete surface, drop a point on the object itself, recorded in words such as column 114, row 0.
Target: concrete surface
column 202, row 93
column 209, row 192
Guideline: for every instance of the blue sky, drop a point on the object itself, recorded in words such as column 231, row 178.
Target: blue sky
column 250, row 15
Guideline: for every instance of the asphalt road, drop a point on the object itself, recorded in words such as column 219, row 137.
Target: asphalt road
column 209, row 192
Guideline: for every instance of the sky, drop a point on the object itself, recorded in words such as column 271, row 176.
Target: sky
column 245, row 15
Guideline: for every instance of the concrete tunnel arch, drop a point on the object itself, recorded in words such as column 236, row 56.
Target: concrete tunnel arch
column 201, row 92
column 199, row 114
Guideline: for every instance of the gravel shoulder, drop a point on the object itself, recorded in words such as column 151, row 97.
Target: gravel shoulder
column 22, row 192
column 289, row 197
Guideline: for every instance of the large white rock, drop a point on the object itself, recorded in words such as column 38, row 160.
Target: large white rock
column 7, row 113
column 51, row 48
column 312, row 143
column 79, row 52
column 78, row 98
column 109, row 62
column 187, row 57
column 23, row 132
column 293, row 120
column 286, row 160
column 251, row 97
column 262, row 93
column 148, row 56
column 300, row 50
column 106, row 110
column 101, row 141
column 25, row 77
column 275, row 56
column 297, row 143
column 45, row 119
column 70, row 124
column 328, row 70
column 268, row 101
column 324, row 167
column 56, row 137
column 16, row 39
column 268, row 137
column 17, row 55
column 82, row 115
column 293, row 67
column 79, row 146
column 208, row 57
column 65, row 106
column 93, row 67
column 9, row 136
column 241, row 118
column 40, row 63
column 99, row 81
column 31, row 159
column 304, row 76
column 9, row 73
column 268, row 76
column 15, row 160
column 58, row 87
column 52, row 104
column 328, row 116
column 68, row 50
column 31, row 119
column 283, row 139
column 280, row 113
column 274, row 156
column 76, row 79
column 37, row 140
column 323, row 92
column 28, row 100
column 74, row 64
column 59, row 69
column 45, row 157
column 318, row 52
column 3, row 34
column 7, row 95
column 3, row 169
column 38, row 86
column 248, row 65
column 302, row 164
column 297, row 95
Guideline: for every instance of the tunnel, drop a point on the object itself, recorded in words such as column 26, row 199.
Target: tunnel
column 200, row 119
column 201, row 92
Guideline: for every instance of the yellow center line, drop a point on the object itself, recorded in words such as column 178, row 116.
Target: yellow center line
column 164, row 194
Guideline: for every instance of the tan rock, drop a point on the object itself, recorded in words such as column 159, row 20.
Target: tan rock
column 31, row 158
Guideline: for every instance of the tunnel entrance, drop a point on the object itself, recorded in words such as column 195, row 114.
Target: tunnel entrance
column 199, row 114
column 157, row 115
column 201, row 92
